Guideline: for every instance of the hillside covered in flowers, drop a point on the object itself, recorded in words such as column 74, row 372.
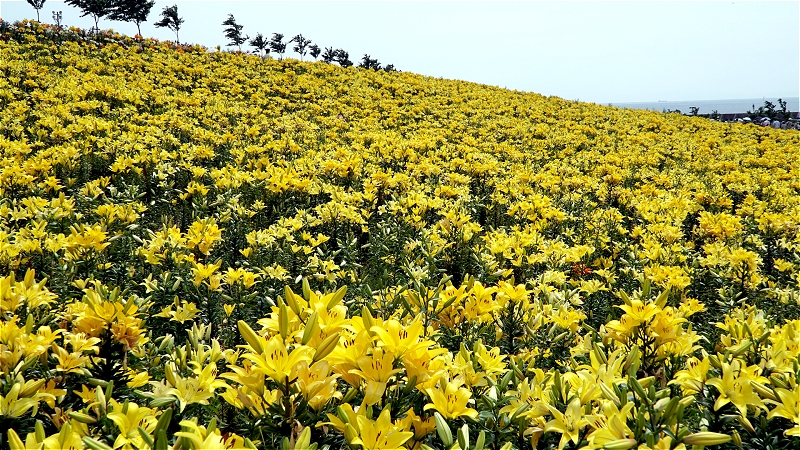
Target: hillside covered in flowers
column 214, row 250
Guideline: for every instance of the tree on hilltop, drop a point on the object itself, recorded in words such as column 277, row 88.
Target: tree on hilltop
column 329, row 55
column 314, row 51
column 342, row 57
column 234, row 32
column 37, row 5
column 369, row 63
column 301, row 45
column 95, row 8
column 170, row 19
column 135, row 11
column 277, row 45
column 261, row 44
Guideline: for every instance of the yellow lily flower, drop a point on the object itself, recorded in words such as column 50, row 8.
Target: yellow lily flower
column 350, row 417
column 66, row 438
column 568, row 423
column 399, row 339
column 13, row 406
column 450, row 399
column 531, row 392
column 692, row 379
column 198, row 388
column 247, row 375
column 380, row 434
column 664, row 443
column 422, row 427
column 277, row 362
column 315, row 383
column 201, row 439
column 639, row 311
column 346, row 355
column 491, row 361
column 736, row 389
column 422, row 366
column 129, row 417
column 610, row 427
column 376, row 369
column 788, row 408
column 584, row 384
column 203, row 271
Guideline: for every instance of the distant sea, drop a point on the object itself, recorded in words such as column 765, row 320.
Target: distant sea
column 708, row 106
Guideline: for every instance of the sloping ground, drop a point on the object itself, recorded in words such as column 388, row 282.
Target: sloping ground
column 534, row 270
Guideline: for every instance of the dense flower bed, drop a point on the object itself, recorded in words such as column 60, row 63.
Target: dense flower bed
column 208, row 250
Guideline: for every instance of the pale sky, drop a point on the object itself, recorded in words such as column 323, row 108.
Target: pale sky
column 603, row 52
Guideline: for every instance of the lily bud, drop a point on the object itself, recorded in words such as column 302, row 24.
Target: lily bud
column 327, row 346
column 283, row 320
column 706, row 438
column 250, row 336
column 443, row 430
column 621, row 444
column 310, row 329
column 81, row 417
column 764, row 391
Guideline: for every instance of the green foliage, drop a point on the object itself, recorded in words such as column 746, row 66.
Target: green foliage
column 261, row 44
column 369, row 63
column 276, row 44
column 95, row 8
column 314, row 50
column 37, row 5
column 135, row 11
column 342, row 57
column 233, row 32
column 300, row 45
column 171, row 20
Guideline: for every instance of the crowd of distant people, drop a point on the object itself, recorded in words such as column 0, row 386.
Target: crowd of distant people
column 791, row 124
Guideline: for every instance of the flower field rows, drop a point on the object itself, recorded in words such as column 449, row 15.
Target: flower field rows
column 211, row 250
